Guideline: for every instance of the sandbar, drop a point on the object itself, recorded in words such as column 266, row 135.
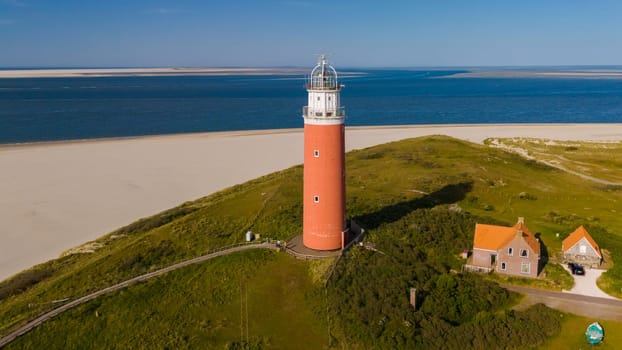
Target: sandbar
column 58, row 195
column 108, row 72
column 527, row 73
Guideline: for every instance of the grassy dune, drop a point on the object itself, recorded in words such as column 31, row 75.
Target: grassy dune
column 232, row 301
column 392, row 190
column 602, row 160
column 597, row 209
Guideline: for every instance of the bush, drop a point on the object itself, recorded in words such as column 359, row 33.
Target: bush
column 368, row 295
column 155, row 221
column 24, row 280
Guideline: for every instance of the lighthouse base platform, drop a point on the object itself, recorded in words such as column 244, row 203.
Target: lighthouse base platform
column 295, row 246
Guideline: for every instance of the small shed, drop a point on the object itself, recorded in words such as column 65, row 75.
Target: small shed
column 249, row 236
column 579, row 247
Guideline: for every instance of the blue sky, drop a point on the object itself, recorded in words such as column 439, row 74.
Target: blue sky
column 260, row 33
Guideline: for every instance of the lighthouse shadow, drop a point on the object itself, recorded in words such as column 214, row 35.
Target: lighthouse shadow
column 448, row 194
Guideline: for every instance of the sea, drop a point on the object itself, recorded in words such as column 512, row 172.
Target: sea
column 54, row 109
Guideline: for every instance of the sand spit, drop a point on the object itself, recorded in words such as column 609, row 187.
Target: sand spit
column 106, row 72
column 518, row 73
column 58, row 195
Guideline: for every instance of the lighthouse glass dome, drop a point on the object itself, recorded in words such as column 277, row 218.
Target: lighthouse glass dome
column 323, row 77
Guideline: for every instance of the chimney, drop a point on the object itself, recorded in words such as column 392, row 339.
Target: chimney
column 521, row 220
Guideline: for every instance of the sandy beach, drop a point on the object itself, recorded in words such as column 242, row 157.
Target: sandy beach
column 59, row 195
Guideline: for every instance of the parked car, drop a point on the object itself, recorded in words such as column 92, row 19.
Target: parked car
column 576, row 269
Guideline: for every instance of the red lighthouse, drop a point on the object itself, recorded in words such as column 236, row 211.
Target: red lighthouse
column 324, row 224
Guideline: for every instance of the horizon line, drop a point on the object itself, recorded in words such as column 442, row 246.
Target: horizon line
column 533, row 66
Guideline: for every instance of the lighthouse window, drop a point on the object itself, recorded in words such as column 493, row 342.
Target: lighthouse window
column 318, row 98
column 329, row 98
column 316, row 153
column 316, row 199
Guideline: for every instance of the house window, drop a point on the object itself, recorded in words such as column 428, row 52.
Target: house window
column 316, row 153
column 316, row 199
column 503, row 265
column 510, row 251
column 525, row 268
column 524, row 253
column 582, row 249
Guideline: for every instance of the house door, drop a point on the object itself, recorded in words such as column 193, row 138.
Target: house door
column 493, row 259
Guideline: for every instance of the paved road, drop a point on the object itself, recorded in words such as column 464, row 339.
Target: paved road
column 39, row 320
column 598, row 308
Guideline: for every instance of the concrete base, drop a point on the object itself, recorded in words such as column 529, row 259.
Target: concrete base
column 296, row 246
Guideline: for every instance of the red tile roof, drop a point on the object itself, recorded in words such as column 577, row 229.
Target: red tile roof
column 576, row 236
column 492, row 237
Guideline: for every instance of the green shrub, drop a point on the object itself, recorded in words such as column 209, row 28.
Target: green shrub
column 24, row 280
column 368, row 294
column 155, row 221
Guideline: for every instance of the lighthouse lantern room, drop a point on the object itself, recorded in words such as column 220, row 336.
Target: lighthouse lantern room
column 324, row 224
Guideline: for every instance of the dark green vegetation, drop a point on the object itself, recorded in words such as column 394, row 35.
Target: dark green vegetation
column 370, row 290
column 419, row 200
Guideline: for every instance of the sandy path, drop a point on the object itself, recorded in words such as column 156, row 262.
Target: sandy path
column 58, row 195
